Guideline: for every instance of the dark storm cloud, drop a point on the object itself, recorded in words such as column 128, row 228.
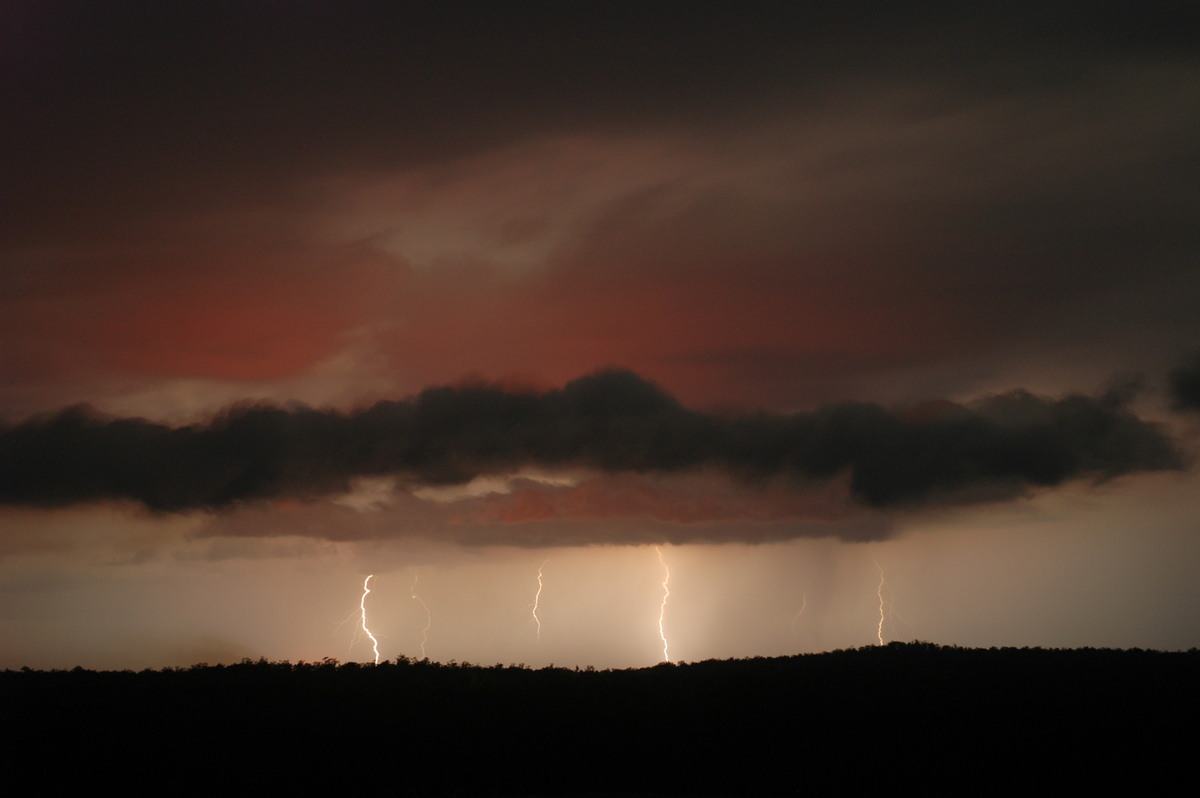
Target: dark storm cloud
column 611, row 421
column 1185, row 384
column 119, row 104
column 893, row 183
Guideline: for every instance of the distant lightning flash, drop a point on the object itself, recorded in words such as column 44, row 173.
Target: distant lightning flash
column 799, row 612
column 428, row 614
column 362, row 608
column 353, row 616
column 537, row 598
column 887, row 608
column 662, row 610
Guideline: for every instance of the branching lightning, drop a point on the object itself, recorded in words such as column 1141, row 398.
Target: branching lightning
column 662, row 610
column 537, row 598
column 362, row 608
column 354, row 615
column 428, row 614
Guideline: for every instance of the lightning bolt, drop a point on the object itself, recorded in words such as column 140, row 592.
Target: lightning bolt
column 537, row 598
column 799, row 612
column 428, row 614
column 362, row 608
column 879, row 592
column 662, row 610
column 353, row 616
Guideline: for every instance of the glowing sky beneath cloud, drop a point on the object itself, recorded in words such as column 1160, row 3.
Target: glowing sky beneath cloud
column 770, row 216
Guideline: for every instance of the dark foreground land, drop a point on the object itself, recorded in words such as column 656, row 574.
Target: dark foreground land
column 902, row 718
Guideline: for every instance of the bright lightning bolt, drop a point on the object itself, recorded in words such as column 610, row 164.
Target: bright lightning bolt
column 537, row 598
column 879, row 592
column 662, row 610
column 428, row 614
column 362, row 608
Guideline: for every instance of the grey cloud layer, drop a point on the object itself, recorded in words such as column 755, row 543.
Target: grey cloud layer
column 611, row 421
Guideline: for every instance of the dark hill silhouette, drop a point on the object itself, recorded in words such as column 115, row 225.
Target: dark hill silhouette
column 917, row 716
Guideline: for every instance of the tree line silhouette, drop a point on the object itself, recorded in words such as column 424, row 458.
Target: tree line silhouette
column 934, row 718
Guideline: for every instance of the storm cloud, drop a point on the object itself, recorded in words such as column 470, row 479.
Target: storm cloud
column 612, row 421
column 1185, row 384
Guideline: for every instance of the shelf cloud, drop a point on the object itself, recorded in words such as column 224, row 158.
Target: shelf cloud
column 611, row 421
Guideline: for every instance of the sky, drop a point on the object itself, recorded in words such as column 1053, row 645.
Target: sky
column 849, row 322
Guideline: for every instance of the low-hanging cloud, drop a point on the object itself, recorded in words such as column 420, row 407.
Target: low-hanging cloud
column 610, row 421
